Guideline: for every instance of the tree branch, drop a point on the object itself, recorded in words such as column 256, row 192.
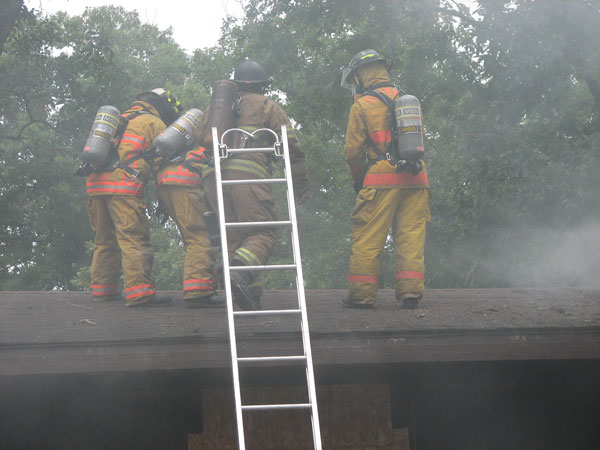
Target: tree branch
column 19, row 135
column 32, row 120
column 455, row 13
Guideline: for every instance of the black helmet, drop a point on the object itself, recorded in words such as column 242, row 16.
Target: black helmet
column 358, row 60
column 250, row 73
column 167, row 105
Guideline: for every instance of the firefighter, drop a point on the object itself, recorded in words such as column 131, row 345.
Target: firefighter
column 252, row 203
column 117, row 209
column 180, row 191
column 385, row 197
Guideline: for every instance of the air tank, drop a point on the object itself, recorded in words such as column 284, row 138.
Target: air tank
column 222, row 108
column 179, row 135
column 101, row 137
column 409, row 128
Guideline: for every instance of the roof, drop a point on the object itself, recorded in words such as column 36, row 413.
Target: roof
column 66, row 332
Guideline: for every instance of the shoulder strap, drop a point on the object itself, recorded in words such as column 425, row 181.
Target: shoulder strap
column 377, row 86
column 125, row 119
column 380, row 85
column 389, row 103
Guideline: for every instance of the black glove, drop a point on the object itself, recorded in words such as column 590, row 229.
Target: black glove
column 358, row 185
column 414, row 167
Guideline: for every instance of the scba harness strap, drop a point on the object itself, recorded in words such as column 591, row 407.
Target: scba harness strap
column 401, row 165
column 389, row 103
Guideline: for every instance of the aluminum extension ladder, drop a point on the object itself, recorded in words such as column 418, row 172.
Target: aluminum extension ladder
column 281, row 150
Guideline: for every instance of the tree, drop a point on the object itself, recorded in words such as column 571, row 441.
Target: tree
column 7, row 19
column 511, row 99
column 105, row 56
column 522, row 162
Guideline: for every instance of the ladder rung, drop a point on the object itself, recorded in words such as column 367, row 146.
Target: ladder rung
column 280, row 406
column 256, row 181
column 251, row 359
column 251, row 150
column 267, row 267
column 267, row 312
column 272, row 223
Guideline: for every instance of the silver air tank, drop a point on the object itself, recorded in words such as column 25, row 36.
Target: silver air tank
column 409, row 128
column 102, row 135
column 179, row 135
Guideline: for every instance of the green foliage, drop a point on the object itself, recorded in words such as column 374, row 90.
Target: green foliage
column 511, row 97
column 521, row 149
column 169, row 256
column 105, row 56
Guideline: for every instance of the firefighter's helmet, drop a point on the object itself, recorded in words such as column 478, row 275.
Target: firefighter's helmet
column 167, row 105
column 250, row 73
column 359, row 60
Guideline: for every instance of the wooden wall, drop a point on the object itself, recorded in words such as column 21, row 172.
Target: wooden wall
column 352, row 417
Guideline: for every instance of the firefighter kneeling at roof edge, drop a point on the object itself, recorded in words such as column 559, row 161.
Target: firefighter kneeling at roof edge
column 387, row 194
column 250, row 203
column 115, row 186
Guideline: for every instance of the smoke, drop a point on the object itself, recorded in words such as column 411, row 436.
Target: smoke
column 548, row 257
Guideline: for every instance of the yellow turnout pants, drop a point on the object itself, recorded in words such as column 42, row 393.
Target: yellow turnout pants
column 122, row 236
column 406, row 211
column 185, row 205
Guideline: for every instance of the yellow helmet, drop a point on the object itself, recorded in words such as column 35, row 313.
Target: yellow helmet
column 167, row 105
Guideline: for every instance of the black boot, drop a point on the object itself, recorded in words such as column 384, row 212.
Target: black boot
column 410, row 303
column 150, row 301
column 206, row 301
column 242, row 295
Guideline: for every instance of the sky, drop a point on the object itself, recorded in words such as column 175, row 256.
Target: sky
column 196, row 23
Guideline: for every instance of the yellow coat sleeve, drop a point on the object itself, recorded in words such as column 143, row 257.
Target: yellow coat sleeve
column 356, row 143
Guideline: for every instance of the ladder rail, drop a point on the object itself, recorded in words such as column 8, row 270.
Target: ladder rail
column 228, row 295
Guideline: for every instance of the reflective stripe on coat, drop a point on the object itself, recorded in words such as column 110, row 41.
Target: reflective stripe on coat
column 176, row 174
column 138, row 136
